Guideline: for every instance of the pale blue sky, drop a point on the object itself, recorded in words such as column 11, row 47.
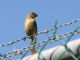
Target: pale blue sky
column 13, row 13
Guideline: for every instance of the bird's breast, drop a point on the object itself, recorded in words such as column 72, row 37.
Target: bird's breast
column 29, row 27
column 29, row 24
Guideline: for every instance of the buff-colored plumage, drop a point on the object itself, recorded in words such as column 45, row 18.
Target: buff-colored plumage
column 31, row 28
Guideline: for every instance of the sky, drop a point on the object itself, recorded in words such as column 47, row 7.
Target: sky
column 13, row 13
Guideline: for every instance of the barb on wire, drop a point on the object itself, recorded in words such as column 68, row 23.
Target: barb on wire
column 24, row 54
column 13, row 42
column 50, row 40
column 45, row 31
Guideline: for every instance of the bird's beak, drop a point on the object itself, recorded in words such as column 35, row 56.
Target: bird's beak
column 36, row 15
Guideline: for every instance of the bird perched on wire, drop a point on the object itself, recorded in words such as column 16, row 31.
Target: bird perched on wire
column 31, row 29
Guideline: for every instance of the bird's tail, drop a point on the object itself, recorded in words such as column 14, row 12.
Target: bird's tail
column 33, row 42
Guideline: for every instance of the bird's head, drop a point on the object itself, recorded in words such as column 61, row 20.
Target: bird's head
column 32, row 15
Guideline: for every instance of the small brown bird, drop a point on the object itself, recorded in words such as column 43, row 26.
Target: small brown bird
column 31, row 29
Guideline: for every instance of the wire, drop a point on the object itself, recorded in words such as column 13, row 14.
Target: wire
column 45, row 31
column 50, row 40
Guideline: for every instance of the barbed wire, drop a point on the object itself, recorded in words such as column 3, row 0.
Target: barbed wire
column 45, row 31
column 63, row 25
column 50, row 40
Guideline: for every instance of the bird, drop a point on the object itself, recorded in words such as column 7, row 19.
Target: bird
column 31, row 29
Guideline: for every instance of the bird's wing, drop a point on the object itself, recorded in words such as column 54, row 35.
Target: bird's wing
column 35, row 28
